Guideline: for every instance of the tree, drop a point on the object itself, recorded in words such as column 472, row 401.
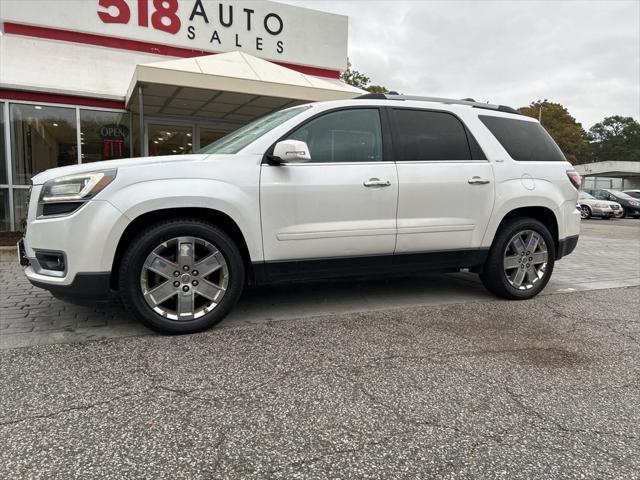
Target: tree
column 563, row 128
column 615, row 138
column 360, row 80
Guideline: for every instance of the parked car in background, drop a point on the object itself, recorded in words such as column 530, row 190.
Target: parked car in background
column 632, row 193
column 592, row 207
column 630, row 206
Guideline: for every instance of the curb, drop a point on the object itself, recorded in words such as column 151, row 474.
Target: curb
column 8, row 254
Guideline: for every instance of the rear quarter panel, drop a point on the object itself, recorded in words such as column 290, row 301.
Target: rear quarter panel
column 522, row 184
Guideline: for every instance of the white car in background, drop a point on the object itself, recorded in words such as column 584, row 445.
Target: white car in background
column 592, row 207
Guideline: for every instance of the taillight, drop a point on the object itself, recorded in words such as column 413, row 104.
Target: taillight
column 575, row 178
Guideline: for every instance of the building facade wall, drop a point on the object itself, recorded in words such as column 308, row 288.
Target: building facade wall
column 65, row 67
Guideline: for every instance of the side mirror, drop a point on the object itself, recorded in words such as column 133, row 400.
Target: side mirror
column 292, row 151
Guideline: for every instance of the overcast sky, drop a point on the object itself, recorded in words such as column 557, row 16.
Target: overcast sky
column 583, row 54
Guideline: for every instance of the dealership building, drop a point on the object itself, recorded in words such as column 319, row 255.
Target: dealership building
column 89, row 80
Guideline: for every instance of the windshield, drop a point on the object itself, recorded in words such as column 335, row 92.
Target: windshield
column 237, row 140
column 619, row 194
column 633, row 193
column 585, row 195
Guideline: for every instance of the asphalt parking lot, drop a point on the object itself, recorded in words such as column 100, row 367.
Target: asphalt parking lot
column 425, row 377
column 548, row 388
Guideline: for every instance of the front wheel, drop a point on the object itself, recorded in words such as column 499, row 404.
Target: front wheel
column 181, row 276
column 520, row 261
column 585, row 212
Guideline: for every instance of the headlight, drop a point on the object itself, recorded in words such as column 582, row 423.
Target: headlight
column 64, row 195
column 74, row 188
column 601, row 205
column 634, row 204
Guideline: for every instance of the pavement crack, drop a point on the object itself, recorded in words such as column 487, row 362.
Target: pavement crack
column 75, row 408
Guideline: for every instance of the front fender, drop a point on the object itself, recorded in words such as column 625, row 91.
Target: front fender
column 239, row 203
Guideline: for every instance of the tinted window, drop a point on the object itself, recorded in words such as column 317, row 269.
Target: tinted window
column 343, row 136
column 427, row 135
column 523, row 140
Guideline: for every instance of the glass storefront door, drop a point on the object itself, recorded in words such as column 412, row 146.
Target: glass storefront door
column 164, row 139
column 180, row 137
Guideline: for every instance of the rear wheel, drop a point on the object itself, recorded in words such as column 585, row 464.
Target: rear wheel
column 520, row 261
column 181, row 276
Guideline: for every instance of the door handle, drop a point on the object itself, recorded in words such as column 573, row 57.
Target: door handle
column 376, row 182
column 478, row 181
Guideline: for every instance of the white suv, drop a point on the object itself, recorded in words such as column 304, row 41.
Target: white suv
column 381, row 184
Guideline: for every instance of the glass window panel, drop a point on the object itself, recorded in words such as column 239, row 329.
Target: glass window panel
column 41, row 137
column 3, row 156
column 4, row 210
column 524, row 140
column 20, row 199
column 135, row 134
column 210, row 135
column 104, row 135
column 343, row 136
column 426, row 135
column 170, row 140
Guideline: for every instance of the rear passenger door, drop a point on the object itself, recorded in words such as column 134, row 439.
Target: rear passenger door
column 446, row 185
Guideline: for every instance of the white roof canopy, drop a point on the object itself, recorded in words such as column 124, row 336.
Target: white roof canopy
column 233, row 86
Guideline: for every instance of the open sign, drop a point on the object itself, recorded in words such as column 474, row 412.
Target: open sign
column 113, row 131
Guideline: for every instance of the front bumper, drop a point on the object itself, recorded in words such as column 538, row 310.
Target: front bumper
column 602, row 212
column 83, row 286
column 632, row 211
column 85, row 240
column 566, row 246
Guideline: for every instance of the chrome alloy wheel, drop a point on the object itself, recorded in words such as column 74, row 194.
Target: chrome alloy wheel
column 184, row 278
column 525, row 259
column 584, row 212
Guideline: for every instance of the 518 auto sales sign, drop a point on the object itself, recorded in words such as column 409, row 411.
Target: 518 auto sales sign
column 265, row 29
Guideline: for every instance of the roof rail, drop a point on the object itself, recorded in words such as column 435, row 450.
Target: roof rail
column 449, row 101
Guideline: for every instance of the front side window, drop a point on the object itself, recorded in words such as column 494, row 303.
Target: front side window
column 601, row 195
column 586, row 196
column 524, row 140
column 343, row 136
column 425, row 135
column 237, row 140
column 41, row 138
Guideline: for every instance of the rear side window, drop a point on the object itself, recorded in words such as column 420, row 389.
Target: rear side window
column 524, row 141
column 425, row 135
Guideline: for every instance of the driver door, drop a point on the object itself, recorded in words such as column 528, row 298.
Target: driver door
column 342, row 202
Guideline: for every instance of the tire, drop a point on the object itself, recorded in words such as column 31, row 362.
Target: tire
column 585, row 212
column 494, row 276
column 193, row 237
column 624, row 213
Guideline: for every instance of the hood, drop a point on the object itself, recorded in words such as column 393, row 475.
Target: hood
column 112, row 164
